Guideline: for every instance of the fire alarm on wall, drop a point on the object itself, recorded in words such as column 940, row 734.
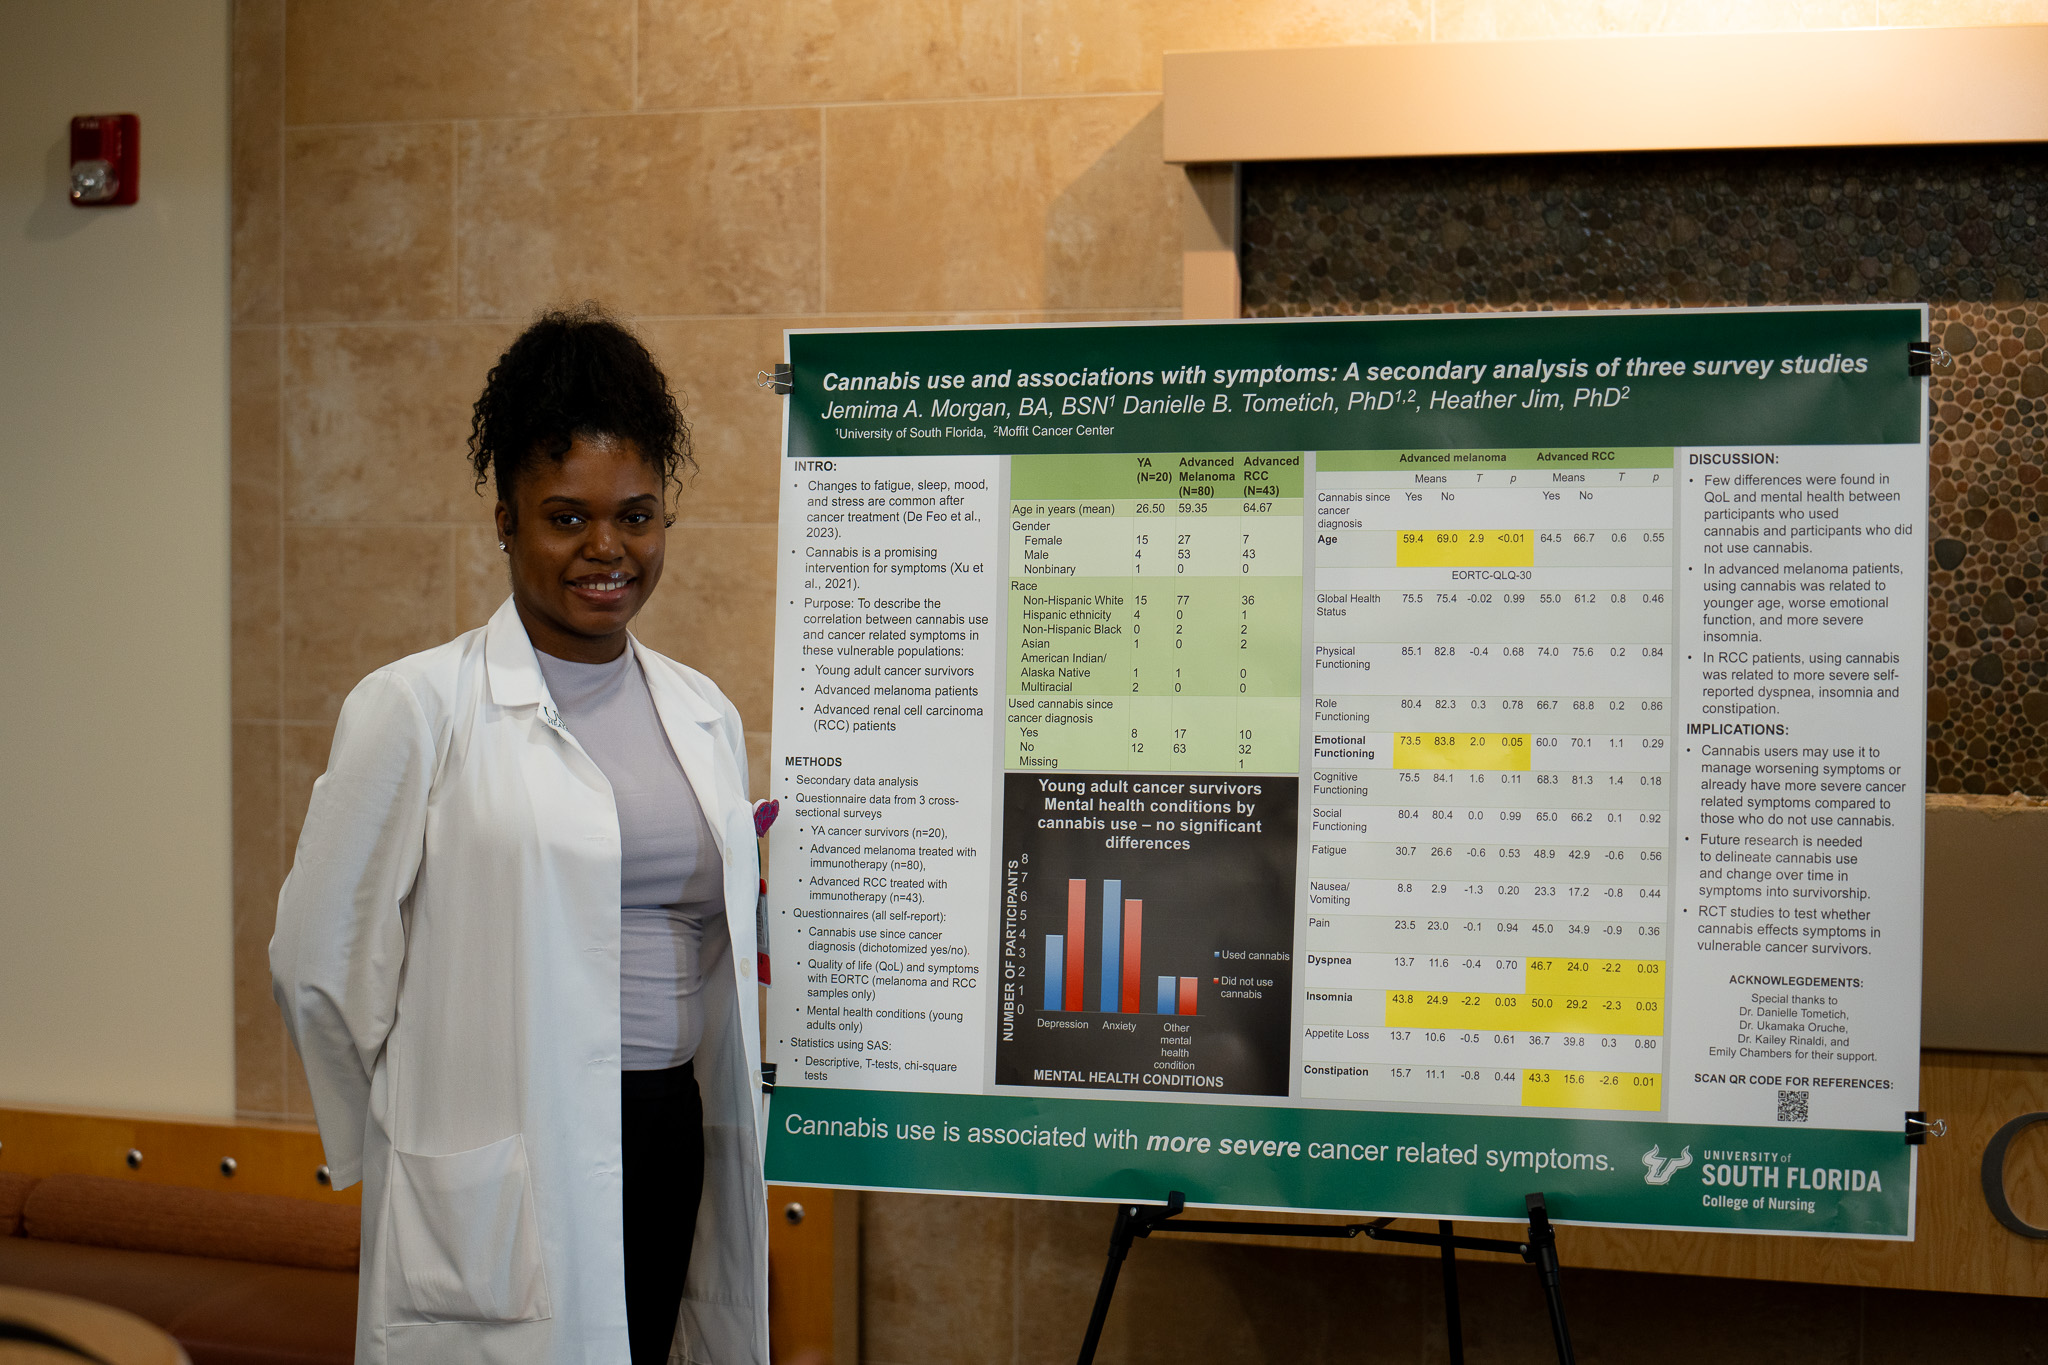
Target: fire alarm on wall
column 105, row 159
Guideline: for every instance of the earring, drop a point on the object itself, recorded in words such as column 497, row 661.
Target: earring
column 501, row 544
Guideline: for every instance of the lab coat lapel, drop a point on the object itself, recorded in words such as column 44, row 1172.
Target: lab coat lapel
column 688, row 721
column 515, row 681
column 696, row 733
column 695, row 730
column 509, row 664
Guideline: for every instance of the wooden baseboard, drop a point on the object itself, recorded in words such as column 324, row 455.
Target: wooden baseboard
column 814, row 1277
column 269, row 1158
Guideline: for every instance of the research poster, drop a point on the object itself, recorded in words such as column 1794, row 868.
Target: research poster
column 1385, row 765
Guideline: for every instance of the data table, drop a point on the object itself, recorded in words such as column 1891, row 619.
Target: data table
column 1490, row 827
column 1155, row 613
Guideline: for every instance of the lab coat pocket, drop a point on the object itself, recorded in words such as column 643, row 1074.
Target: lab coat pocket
column 465, row 1245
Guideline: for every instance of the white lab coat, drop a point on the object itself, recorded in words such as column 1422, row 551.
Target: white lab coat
column 447, row 959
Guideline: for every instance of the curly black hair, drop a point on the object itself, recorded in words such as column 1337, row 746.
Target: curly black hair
column 575, row 372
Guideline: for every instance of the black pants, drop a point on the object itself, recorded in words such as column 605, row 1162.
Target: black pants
column 663, row 1161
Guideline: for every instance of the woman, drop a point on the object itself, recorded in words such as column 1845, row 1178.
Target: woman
column 504, row 951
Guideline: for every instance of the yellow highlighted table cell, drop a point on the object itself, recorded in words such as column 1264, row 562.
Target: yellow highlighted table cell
column 1465, row 550
column 1463, row 752
column 1635, row 977
column 1558, row 1088
column 1535, row 1011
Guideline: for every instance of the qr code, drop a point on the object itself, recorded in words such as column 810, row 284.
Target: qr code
column 1792, row 1105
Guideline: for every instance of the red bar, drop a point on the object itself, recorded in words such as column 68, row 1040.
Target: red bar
column 1187, row 995
column 1134, row 912
column 1077, row 942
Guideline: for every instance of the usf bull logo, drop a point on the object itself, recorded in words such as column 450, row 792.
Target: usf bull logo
column 1658, row 1170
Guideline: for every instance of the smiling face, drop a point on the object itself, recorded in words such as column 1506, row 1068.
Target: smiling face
column 585, row 535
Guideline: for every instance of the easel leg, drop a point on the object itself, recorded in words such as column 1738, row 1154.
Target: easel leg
column 1453, row 1318
column 1540, row 1250
column 1543, row 1255
column 1119, row 1247
column 1454, row 1325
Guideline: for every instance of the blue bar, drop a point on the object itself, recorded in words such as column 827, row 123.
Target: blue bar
column 1169, row 995
column 1055, row 969
column 1112, row 943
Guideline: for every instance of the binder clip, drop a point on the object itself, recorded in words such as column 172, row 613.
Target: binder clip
column 1919, row 1129
column 767, row 1078
column 781, row 379
column 1923, row 356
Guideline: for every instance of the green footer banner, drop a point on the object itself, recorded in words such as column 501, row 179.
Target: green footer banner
column 1428, row 1165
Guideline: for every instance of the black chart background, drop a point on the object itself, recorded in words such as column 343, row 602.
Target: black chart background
column 1226, row 893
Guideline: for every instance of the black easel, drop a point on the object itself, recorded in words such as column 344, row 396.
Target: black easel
column 1540, row 1250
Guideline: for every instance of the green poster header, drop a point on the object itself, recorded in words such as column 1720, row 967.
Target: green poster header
column 1346, row 1161
column 1817, row 376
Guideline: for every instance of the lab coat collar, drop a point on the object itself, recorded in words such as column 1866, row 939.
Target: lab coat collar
column 516, row 681
column 509, row 663
column 515, row 676
column 668, row 691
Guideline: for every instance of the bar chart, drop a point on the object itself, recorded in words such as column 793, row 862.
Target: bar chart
column 1120, row 936
column 1147, row 950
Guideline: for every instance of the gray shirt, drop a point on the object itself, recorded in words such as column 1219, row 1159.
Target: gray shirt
column 671, row 879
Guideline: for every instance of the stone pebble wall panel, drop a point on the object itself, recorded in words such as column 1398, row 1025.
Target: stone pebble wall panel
column 1960, row 228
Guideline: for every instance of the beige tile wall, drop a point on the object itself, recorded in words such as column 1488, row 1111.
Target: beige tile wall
column 413, row 181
